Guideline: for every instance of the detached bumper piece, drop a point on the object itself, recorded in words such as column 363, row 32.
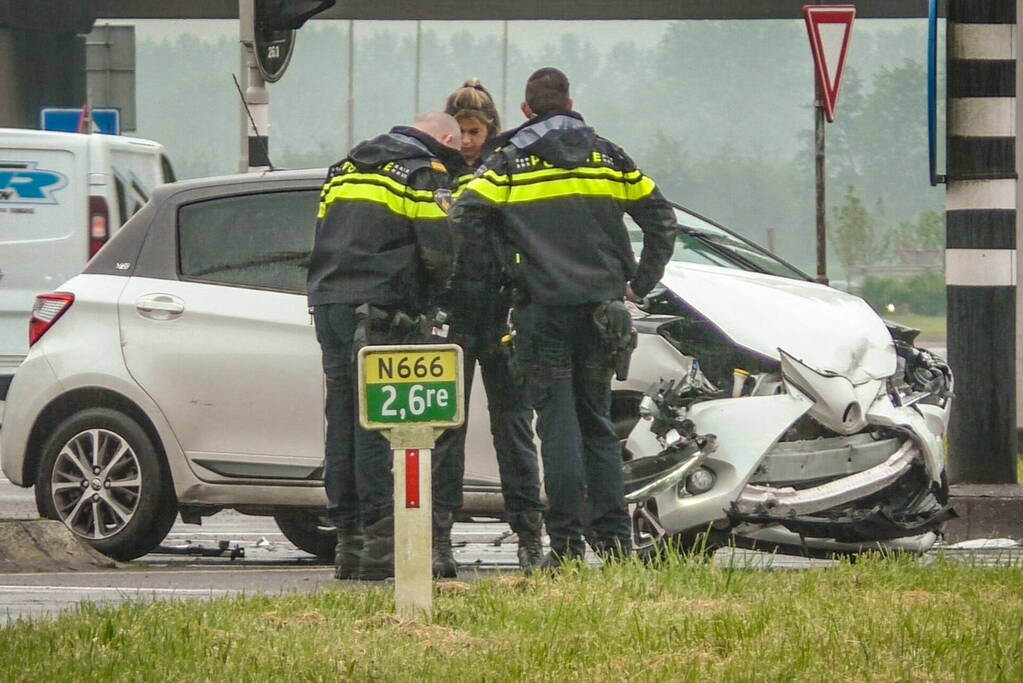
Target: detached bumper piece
column 789, row 502
column 835, row 510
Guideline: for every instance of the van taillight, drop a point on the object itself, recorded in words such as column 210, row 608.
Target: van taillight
column 47, row 310
column 99, row 224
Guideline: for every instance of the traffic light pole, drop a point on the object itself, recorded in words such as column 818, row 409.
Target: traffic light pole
column 257, row 97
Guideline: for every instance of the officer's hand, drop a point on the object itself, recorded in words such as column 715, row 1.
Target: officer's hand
column 631, row 295
column 619, row 322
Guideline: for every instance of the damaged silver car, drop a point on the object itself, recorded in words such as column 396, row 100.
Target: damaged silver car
column 794, row 420
column 179, row 374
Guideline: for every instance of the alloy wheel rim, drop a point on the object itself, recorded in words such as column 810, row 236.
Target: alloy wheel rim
column 96, row 483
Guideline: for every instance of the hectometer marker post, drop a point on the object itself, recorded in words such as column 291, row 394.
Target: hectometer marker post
column 412, row 393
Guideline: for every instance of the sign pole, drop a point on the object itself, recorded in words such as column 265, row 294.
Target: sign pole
column 412, row 393
column 822, row 234
column 413, row 533
column 825, row 24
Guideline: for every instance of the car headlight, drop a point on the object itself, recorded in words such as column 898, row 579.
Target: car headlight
column 700, row 480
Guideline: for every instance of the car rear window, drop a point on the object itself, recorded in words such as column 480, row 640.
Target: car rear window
column 255, row 240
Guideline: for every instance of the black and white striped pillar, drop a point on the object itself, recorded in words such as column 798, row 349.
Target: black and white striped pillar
column 980, row 257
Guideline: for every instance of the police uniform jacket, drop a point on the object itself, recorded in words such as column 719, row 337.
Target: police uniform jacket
column 557, row 192
column 382, row 235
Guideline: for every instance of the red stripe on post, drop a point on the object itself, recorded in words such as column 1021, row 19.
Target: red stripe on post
column 412, row 478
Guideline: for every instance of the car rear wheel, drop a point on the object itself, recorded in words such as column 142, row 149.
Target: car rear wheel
column 101, row 476
column 309, row 530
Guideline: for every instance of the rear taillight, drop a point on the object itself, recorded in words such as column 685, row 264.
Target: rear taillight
column 46, row 311
column 99, row 224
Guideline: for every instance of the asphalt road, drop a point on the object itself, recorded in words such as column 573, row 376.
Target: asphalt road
column 271, row 564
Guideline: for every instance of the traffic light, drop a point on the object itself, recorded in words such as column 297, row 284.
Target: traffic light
column 287, row 15
column 274, row 38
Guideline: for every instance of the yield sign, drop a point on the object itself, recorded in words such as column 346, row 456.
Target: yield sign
column 829, row 28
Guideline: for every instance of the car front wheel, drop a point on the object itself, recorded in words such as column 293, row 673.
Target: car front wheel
column 102, row 477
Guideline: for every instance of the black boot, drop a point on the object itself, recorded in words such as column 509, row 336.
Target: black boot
column 348, row 550
column 377, row 560
column 562, row 552
column 444, row 566
column 528, row 526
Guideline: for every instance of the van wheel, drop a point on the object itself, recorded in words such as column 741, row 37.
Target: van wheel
column 309, row 530
column 102, row 477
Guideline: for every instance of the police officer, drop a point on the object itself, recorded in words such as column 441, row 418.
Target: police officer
column 557, row 193
column 479, row 321
column 382, row 252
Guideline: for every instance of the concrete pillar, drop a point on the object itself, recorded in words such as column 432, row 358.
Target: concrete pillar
column 980, row 257
column 38, row 69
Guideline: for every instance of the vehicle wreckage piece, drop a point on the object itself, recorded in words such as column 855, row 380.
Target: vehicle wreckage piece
column 745, row 428
column 773, row 536
column 784, row 502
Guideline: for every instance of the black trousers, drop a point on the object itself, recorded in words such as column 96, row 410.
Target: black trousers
column 357, row 468
column 479, row 321
column 569, row 384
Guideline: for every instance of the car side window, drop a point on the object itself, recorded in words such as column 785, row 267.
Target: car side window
column 254, row 240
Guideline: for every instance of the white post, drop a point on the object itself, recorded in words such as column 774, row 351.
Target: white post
column 413, row 533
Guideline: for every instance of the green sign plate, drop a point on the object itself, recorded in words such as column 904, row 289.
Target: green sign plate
column 409, row 385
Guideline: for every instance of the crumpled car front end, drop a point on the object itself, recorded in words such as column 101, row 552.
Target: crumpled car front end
column 798, row 420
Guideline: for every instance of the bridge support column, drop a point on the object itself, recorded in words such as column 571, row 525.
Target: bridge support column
column 39, row 69
column 980, row 257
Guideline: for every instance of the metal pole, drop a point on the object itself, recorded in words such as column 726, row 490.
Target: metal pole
column 256, row 95
column 415, row 89
column 243, row 119
column 351, row 83
column 822, row 259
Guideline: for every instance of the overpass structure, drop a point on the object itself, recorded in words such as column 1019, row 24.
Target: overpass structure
column 42, row 61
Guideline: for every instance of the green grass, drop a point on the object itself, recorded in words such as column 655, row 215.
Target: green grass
column 879, row 619
column 932, row 327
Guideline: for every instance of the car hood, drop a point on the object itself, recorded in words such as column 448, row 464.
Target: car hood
column 828, row 330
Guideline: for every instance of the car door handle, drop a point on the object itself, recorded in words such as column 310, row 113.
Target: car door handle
column 160, row 306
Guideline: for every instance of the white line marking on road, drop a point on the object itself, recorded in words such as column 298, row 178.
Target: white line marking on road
column 114, row 589
column 178, row 572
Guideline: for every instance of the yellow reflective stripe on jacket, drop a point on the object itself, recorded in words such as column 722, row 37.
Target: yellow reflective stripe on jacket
column 537, row 186
column 461, row 183
column 399, row 188
column 632, row 176
column 406, row 202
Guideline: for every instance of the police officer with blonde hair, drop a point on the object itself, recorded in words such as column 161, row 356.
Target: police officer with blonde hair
column 479, row 308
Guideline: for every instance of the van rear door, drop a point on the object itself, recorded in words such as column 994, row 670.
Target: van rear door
column 43, row 232
column 135, row 173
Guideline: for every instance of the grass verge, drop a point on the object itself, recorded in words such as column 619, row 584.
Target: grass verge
column 879, row 619
column 932, row 327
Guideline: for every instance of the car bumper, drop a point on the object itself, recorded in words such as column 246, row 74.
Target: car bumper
column 34, row 386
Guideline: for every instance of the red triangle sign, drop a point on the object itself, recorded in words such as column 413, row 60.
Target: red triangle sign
column 829, row 27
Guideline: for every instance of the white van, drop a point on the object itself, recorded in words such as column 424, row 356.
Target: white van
column 62, row 196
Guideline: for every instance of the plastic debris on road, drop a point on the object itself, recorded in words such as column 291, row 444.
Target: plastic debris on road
column 985, row 544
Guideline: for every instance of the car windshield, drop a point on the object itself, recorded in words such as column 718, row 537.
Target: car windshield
column 702, row 241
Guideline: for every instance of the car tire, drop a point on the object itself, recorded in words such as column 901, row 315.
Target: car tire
column 309, row 530
column 102, row 477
